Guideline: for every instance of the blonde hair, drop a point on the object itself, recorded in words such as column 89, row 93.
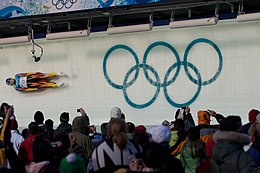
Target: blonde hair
column 117, row 132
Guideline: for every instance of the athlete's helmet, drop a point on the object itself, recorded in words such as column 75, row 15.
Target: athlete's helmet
column 8, row 81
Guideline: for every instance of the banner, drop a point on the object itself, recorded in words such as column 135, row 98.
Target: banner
column 16, row 8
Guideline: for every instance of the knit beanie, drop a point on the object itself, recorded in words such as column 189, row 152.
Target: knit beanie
column 72, row 164
column 64, row 117
column 140, row 128
column 231, row 123
column 160, row 134
column 116, row 113
column 252, row 115
column 203, row 117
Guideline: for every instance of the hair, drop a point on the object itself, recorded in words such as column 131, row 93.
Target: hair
column 117, row 132
column 130, row 127
column 153, row 155
column 38, row 117
column 141, row 138
column 179, row 124
column 103, row 128
column 49, row 123
column 25, row 133
column 3, row 107
column 33, row 128
column 42, row 150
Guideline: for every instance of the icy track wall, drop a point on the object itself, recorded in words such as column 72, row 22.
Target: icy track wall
column 146, row 74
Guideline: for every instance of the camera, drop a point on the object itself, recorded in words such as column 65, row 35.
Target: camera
column 53, row 144
column 78, row 110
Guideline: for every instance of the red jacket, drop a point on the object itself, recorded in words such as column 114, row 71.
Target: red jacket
column 25, row 152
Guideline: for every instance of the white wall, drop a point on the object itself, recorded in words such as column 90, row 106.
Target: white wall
column 235, row 90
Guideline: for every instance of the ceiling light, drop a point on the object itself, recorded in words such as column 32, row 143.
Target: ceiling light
column 193, row 22
column 130, row 28
column 13, row 40
column 70, row 34
column 248, row 17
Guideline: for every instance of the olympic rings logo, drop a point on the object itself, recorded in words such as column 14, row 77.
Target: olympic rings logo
column 166, row 81
column 59, row 4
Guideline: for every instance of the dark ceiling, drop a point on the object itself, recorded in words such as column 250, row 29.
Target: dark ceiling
column 125, row 15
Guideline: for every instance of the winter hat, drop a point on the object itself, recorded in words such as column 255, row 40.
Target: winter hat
column 140, row 128
column 160, row 134
column 231, row 123
column 72, row 164
column 252, row 115
column 116, row 113
column 14, row 124
column 64, row 117
column 203, row 117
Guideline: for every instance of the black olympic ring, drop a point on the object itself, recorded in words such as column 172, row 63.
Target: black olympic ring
column 166, row 82
column 59, row 4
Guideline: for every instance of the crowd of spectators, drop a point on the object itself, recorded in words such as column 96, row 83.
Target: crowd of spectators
column 174, row 146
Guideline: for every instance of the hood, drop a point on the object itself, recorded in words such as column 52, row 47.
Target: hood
column 228, row 143
column 77, row 125
column 231, row 136
column 66, row 126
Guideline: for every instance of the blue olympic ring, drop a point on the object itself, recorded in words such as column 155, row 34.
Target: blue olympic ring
column 160, row 43
column 199, row 82
column 194, row 42
column 105, row 65
column 165, row 83
column 125, row 85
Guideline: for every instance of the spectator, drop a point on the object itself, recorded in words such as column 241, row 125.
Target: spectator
column 162, row 135
column 193, row 151
column 64, row 126
column 130, row 128
column 49, row 126
column 251, row 118
column 5, row 136
column 25, row 152
column 117, row 113
column 72, row 164
column 39, row 119
column 228, row 154
column 3, row 110
column 116, row 152
column 79, row 133
column 185, row 115
column 16, row 138
column 254, row 150
column 206, row 130
column 140, row 136
column 25, row 133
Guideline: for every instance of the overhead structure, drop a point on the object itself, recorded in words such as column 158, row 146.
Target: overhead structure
column 70, row 34
column 126, row 18
column 14, row 40
column 130, row 28
column 193, row 22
